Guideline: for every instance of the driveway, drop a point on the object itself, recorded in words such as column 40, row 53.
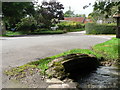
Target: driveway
column 17, row 51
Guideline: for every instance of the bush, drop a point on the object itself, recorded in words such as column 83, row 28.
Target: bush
column 27, row 24
column 68, row 26
column 93, row 28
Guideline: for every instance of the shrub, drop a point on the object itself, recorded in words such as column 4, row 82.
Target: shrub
column 27, row 24
column 93, row 28
column 68, row 26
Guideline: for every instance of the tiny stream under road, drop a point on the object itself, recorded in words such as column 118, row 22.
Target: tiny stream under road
column 103, row 77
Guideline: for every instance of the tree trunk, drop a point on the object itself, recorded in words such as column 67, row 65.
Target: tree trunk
column 118, row 28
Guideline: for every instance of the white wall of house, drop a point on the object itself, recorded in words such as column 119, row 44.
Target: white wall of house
column 99, row 21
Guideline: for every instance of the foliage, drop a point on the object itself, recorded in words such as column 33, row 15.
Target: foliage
column 79, row 15
column 0, row 7
column 49, row 13
column 106, row 7
column 95, row 15
column 108, row 49
column 104, row 10
column 69, row 13
column 14, row 11
column 27, row 24
column 93, row 28
column 70, row 26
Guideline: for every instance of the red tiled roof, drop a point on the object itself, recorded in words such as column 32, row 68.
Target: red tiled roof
column 76, row 19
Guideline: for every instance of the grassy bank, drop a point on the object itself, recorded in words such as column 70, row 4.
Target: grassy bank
column 107, row 50
column 49, row 32
column 39, row 32
column 11, row 33
column 16, row 33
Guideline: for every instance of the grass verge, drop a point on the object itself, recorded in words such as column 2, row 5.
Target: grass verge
column 49, row 32
column 16, row 33
column 11, row 33
column 108, row 49
column 41, row 32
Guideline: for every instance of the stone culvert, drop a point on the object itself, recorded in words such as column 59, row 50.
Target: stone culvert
column 72, row 64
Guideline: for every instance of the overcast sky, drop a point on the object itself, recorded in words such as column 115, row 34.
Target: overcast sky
column 77, row 5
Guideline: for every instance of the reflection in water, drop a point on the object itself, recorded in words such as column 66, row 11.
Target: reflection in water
column 103, row 77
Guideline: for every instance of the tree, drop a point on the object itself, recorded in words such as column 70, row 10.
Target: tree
column 106, row 8
column 26, row 25
column 14, row 11
column 95, row 15
column 69, row 13
column 86, row 6
column 50, row 13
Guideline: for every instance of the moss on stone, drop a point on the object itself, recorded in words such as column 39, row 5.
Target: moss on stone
column 21, row 71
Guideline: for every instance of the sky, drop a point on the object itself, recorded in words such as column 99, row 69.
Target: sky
column 76, row 5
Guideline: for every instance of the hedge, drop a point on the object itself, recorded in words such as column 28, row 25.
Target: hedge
column 70, row 26
column 93, row 28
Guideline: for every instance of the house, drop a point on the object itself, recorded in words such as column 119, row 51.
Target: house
column 75, row 19
column 88, row 21
column 78, row 19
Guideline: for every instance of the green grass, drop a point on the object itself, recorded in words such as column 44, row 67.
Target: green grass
column 49, row 32
column 108, row 49
column 11, row 33
column 41, row 64
column 17, row 33
column 82, row 51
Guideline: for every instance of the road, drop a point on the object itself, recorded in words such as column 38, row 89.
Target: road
column 17, row 51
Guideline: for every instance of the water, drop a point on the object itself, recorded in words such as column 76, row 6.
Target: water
column 103, row 77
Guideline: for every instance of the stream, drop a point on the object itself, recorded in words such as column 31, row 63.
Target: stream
column 103, row 77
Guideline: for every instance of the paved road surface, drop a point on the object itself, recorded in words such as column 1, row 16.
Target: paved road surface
column 20, row 50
